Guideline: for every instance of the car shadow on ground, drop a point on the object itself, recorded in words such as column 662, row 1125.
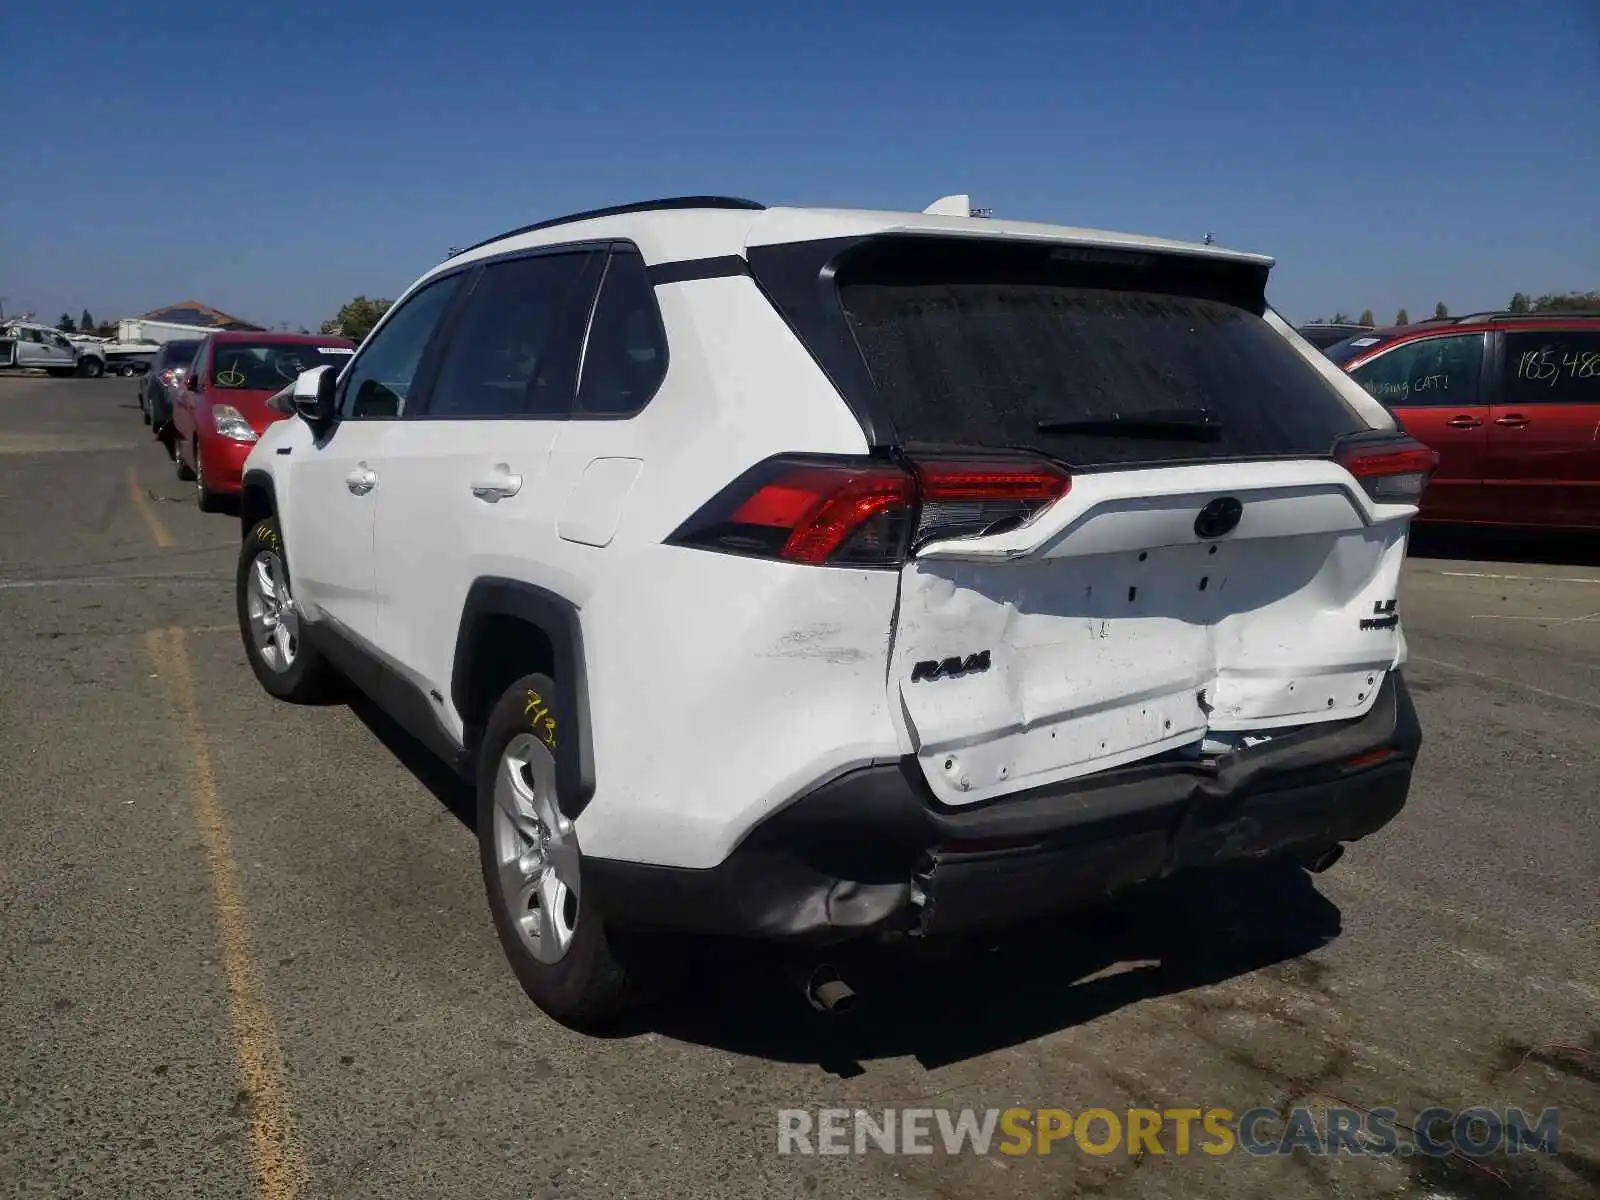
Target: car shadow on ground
column 1504, row 546
column 448, row 788
column 958, row 1001
column 987, row 994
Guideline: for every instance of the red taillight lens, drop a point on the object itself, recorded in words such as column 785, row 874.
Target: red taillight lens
column 823, row 511
column 1393, row 471
column 867, row 512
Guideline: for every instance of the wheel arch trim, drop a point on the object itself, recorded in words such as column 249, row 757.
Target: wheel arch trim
column 558, row 619
column 255, row 482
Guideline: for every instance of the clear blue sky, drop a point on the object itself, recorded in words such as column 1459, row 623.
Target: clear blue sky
column 1387, row 154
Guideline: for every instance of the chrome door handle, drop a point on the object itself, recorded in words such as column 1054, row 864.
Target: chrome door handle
column 1463, row 422
column 501, row 486
column 361, row 481
column 1512, row 420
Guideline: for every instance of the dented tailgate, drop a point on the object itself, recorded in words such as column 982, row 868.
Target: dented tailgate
column 1110, row 629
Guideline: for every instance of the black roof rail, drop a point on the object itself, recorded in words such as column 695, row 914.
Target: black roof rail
column 669, row 202
column 1510, row 317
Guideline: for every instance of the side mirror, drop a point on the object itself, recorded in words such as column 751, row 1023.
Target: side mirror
column 312, row 395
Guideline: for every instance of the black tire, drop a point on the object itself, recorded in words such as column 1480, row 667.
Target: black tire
column 207, row 500
column 144, row 409
column 591, row 984
column 91, row 368
column 310, row 678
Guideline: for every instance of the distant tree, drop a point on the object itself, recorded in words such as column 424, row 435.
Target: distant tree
column 65, row 324
column 1519, row 303
column 108, row 330
column 1366, row 317
column 302, row 329
column 1340, row 318
column 1402, row 317
column 1569, row 302
column 1440, row 312
column 86, row 322
column 356, row 319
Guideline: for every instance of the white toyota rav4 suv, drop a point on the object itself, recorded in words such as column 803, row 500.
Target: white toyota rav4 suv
column 814, row 575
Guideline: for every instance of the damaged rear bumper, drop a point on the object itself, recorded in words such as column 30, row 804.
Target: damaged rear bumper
column 872, row 852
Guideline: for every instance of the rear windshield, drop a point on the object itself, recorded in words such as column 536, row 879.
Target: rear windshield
column 1097, row 363
column 181, row 353
column 269, row 366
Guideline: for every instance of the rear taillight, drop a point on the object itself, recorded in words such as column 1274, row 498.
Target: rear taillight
column 171, row 376
column 1394, row 471
column 960, row 499
column 868, row 512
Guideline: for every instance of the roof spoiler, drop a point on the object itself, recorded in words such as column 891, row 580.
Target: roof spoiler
column 955, row 206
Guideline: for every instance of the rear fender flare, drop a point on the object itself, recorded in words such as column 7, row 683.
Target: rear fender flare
column 258, row 500
column 558, row 620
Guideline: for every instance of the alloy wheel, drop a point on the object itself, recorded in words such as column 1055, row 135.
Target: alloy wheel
column 274, row 620
column 535, row 849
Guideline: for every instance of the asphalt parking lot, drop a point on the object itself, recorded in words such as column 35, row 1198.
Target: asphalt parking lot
column 247, row 952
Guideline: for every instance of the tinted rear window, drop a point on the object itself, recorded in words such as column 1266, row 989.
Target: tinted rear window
column 1555, row 366
column 179, row 353
column 977, row 348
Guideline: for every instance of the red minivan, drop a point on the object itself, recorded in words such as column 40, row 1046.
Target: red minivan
column 222, row 407
column 1511, row 403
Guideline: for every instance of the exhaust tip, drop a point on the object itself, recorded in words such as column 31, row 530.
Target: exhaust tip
column 1326, row 859
column 827, row 993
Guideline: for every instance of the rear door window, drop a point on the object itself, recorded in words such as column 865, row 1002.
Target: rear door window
column 1426, row 372
column 513, row 351
column 1552, row 367
column 1091, row 359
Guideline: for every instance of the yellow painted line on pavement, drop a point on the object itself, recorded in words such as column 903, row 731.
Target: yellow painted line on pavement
column 152, row 522
column 280, row 1166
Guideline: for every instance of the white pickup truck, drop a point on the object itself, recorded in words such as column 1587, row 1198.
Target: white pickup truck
column 24, row 344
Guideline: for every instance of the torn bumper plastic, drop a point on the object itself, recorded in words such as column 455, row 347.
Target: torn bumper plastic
column 872, row 852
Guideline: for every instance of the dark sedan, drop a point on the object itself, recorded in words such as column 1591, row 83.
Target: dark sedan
column 1323, row 334
column 162, row 381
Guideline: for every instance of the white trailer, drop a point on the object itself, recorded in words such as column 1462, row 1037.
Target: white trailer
column 141, row 330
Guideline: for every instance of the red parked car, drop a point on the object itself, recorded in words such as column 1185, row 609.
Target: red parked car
column 222, row 407
column 1509, row 401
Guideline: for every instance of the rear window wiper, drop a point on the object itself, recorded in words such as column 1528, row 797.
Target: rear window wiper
column 1176, row 424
